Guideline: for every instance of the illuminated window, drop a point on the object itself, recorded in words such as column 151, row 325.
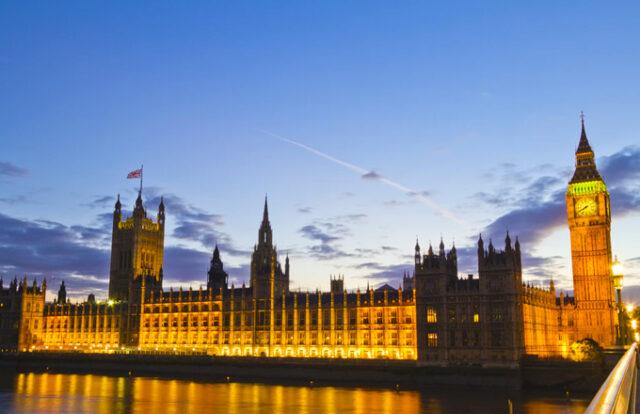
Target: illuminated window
column 379, row 317
column 432, row 340
column 476, row 318
column 432, row 316
column 408, row 338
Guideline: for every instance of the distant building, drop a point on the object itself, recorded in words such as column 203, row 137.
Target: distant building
column 435, row 318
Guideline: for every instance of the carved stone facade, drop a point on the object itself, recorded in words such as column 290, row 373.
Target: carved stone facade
column 438, row 318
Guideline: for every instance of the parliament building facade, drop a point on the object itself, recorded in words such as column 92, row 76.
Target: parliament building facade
column 435, row 318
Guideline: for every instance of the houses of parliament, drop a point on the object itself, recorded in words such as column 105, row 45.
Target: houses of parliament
column 436, row 317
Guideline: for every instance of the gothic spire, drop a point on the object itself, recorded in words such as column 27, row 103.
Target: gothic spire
column 583, row 145
column 265, row 213
column 139, row 208
column 585, row 162
column 264, row 234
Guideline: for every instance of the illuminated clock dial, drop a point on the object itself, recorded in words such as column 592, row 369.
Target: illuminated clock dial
column 586, row 207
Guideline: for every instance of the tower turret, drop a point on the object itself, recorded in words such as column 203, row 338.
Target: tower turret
column 161, row 211
column 480, row 247
column 138, row 210
column 62, row 293
column 117, row 212
column 218, row 278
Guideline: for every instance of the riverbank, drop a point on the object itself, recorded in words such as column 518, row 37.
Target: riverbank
column 533, row 374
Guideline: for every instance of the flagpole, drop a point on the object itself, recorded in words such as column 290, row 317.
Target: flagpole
column 141, row 173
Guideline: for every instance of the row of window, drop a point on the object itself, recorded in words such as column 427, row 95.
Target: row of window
column 432, row 316
column 366, row 315
column 378, row 339
column 466, row 339
column 81, row 322
column 263, row 319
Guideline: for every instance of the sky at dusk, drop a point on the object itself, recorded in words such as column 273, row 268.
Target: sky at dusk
column 367, row 124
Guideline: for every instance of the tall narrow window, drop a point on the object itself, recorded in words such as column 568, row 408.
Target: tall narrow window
column 432, row 316
column 432, row 340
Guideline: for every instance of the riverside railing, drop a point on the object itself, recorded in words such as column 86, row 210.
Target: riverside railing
column 617, row 395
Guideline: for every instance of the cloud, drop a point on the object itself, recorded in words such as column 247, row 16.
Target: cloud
column 316, row 233
column 384, row 273
column 101, row 202
column 327, row 234
column 539, row 207
column 18, row 199
column 80, row 254
column 371, row 175
column 304, row 210
column 535, row 206
column 393, row 203
column 622, row 167
column 48, row 249
column 196, row 225
column 418, row 194
column 8, row 169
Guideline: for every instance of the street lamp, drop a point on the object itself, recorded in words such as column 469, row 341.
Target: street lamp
column 617, row 276
column 616, row 270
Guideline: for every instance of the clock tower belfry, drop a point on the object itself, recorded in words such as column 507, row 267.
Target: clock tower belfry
column 589, row 215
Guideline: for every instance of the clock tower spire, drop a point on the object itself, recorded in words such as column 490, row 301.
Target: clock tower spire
column 589, row 217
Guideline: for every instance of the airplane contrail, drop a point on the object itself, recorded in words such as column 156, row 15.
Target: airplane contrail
column 362, row 171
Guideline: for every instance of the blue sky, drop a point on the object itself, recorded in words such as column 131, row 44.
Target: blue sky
column 473, row 107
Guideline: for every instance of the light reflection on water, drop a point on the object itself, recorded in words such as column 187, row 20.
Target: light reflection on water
column 71, row 393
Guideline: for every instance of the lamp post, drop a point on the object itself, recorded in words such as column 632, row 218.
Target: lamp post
column 616, row 272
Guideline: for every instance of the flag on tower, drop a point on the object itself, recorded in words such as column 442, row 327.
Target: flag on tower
column 135, row 173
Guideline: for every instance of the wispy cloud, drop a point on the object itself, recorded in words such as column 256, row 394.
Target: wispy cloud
column 374, row 176
column 8, row 169
column 195, row 224
column 539, row 207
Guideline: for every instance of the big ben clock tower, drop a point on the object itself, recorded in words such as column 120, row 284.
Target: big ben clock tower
column 589, row 215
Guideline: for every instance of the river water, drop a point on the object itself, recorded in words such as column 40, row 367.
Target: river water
column 71, row 393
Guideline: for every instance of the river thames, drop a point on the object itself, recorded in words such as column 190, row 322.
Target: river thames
column 71, row 393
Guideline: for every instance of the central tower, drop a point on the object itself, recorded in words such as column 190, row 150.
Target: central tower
column 137, row 248
column 589, row 215
column 267, row 277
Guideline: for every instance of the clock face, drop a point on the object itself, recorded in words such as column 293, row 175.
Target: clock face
column 586, row 207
